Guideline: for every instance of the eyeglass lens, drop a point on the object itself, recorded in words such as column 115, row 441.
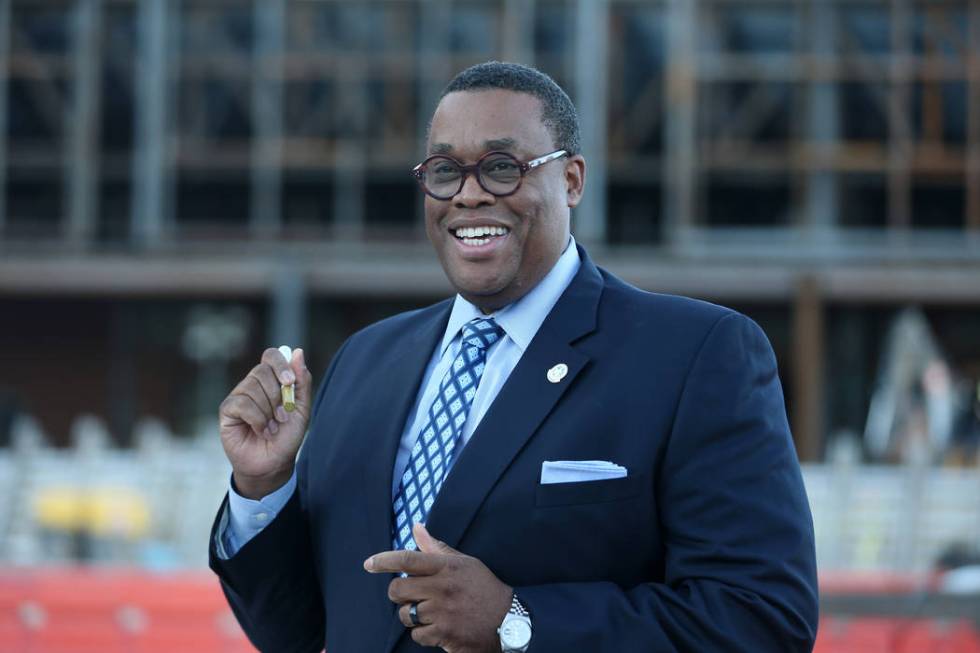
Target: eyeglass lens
column 498, row 174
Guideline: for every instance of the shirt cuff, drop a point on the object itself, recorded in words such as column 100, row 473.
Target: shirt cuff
column 245, row 518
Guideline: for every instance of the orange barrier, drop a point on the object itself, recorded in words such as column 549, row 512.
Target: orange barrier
column 115, row 611
column 896, row 635
column 135, row 611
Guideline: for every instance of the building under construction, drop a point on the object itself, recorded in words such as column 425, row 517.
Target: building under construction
column 187, row 182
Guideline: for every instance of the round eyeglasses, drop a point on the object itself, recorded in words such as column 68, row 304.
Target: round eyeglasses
column 498, row 173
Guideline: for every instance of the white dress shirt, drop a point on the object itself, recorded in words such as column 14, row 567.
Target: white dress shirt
column 520, row 320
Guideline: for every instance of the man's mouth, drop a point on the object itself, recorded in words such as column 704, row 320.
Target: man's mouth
column 477, row 236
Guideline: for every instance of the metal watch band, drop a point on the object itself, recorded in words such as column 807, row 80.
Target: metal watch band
column 517, row 608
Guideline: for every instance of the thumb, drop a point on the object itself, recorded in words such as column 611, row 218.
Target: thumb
column 429, row 544
column 304, row 380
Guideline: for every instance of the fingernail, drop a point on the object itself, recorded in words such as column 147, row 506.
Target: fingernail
column 288, row 377
column 281, row 414
column 369, row 563
column 274, row 426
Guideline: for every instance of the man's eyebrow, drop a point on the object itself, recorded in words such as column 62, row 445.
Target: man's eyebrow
column 492, row 144
column 499, row 144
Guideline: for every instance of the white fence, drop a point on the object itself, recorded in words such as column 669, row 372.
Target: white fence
column 870, row 518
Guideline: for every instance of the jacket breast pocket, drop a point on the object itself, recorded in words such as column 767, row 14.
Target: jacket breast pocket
column 583, row 492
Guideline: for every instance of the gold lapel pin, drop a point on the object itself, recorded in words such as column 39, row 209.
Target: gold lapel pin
column 557, row 373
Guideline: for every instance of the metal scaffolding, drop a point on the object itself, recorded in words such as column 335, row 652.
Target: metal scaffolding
column 795, row 152
column 698, row 99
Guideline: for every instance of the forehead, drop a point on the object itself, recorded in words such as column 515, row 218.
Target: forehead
column 471, row 122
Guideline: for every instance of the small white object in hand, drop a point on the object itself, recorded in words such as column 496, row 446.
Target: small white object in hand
column 288, row 391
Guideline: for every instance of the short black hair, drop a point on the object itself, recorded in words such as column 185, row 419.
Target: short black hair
column 557, row 111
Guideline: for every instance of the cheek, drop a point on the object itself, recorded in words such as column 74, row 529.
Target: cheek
column 433, row 216
column 535, row 229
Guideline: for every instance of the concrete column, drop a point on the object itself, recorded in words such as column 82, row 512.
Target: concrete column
column 150, row 149
column 434, row 71
column 5, row 30
column 82, row 126
column 266, row 214
column 822, row 188
column 680, row 124
column 972, row 120
column 350, row 149
column 808, row 370
column 518, row 31
column 591, row 69
column 289, row 303
column 899, row 119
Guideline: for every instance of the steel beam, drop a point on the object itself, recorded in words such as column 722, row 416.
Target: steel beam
column 821, row 199
column 972, row 177
column 899, row 119
column 289, row 303
column 350, row 159
column 433, row 72
column 5, row 31
column 591, row 72
column 864, row 276
column 151, row 163
column 82, row 125
column 808, row 370
column 518, row 31
column 680, row 124
column 266, row 164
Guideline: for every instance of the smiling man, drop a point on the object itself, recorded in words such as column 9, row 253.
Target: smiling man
column 497, row 229
column 552, row 460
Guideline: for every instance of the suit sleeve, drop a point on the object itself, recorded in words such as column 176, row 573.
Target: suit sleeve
column 740, row 570
column 270, row 583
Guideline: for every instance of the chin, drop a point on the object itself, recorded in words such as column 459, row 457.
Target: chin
column 478, row 291
column 481, row 294
column 476, row 280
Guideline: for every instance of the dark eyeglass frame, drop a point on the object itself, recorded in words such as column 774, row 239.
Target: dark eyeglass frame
column 524, row 166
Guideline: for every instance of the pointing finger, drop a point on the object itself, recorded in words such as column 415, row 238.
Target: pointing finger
column 413, row 563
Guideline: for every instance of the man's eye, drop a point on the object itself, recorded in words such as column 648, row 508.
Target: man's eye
column 501, row 166
column 444, row 169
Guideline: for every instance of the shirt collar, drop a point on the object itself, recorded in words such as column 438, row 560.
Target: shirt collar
column 521, row 319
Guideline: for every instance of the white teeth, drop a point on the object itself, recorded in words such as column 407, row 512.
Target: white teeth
column 480, row 232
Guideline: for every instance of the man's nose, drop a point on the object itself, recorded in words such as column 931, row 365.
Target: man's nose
column 472, row 194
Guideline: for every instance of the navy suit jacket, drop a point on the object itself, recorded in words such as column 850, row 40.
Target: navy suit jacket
column 706, row 545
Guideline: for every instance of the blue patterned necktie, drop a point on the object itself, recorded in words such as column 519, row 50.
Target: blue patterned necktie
column 433, row 450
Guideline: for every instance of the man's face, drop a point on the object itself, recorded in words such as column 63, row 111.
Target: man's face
column 497, row 269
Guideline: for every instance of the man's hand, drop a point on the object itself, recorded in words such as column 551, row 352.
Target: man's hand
column 460, row 602
column 259, row 437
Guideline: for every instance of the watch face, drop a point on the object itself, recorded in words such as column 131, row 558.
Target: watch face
column 515, row 633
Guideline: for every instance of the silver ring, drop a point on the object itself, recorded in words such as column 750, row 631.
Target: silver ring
column 413, row 613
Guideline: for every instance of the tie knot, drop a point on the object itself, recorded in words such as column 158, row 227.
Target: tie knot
column 481, row 332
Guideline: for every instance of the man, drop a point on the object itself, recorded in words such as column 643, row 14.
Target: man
column 551, row 461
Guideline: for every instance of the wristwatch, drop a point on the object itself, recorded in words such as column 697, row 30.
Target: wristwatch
column 515, row 630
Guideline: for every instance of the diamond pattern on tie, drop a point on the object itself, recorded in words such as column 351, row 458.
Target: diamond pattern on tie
column 446, row 416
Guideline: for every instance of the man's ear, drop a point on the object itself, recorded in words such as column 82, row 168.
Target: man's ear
column 574, row 179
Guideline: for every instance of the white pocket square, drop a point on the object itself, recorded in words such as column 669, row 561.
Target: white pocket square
column 574, row 471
